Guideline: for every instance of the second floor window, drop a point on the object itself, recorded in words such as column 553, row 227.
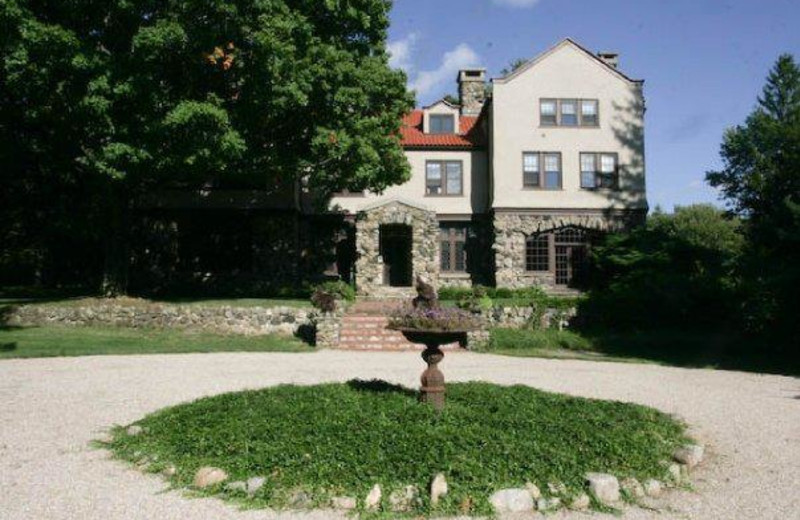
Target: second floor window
column 599, row 170
column 441, row 124
column 541, row 170
column 568, row 112
column 443, row 178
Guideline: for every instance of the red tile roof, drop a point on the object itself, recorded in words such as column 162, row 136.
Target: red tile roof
column 468, row 136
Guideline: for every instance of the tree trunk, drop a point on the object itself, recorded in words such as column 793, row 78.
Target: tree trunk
column 117, row 247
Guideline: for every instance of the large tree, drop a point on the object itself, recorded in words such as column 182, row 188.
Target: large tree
column 122, row 97
column 761, row 181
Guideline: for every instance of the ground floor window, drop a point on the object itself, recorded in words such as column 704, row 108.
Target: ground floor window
column 452, row 247
column 561, row 252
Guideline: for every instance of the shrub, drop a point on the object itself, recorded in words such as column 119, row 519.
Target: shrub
column 326, row 295
column 525, row 339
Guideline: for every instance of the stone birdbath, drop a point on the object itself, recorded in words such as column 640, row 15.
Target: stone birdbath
column 427, row 323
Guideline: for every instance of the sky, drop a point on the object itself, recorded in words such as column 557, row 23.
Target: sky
column 704, row 63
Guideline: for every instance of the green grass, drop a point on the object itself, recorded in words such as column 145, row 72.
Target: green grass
column 685, row 348
column 49, row 341
column 342, row 438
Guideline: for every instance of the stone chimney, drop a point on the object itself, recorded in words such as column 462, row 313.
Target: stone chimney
column 471, row 91
column 611, row 58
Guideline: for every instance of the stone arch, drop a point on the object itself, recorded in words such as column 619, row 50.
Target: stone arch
column 424, row 243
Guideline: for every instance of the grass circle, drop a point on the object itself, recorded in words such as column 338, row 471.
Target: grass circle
column 340, row 439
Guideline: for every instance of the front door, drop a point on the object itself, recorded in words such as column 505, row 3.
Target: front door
column 395, row 245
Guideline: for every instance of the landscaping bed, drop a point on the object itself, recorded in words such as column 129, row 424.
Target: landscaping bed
column 336, row 444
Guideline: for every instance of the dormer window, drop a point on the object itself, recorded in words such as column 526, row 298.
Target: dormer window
column 442, row 124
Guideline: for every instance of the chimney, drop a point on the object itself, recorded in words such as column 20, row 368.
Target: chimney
column 471, row 91
column 611, row 58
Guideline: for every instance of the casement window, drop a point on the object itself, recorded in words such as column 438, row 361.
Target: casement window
column 568, row 112
column 537, row 252
column 599, row 170
column 452, row 247
column 541, row 170
column 443, row 178
column 441, row 124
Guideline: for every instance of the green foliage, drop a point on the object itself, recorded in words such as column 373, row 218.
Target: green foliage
column 102, row 102
column 513, row 66
column 326, row 295
column 676, row 270
column 438, row 319
column 341, row 439
column 480, row 297
column 526, row 339
column 761, row 181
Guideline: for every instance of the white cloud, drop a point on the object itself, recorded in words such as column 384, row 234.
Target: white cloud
column 462, row 56
column 517, row 3
column 400, row 52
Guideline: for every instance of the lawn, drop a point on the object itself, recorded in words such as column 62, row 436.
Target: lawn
column 686, row 348
column 340, row 439
column 27, row 342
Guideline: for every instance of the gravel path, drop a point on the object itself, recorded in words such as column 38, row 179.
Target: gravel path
column 51, row 408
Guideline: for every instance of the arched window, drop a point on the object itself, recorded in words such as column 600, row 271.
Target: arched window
column 537, row 252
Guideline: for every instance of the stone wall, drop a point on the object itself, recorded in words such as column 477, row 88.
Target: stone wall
column 228, row 320
column 424, row 246
column 512, row 228
column 327, row 328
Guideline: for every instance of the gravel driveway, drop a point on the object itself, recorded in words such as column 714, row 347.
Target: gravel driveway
column 51, row 408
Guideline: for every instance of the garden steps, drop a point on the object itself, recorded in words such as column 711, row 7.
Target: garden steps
column 364, row 327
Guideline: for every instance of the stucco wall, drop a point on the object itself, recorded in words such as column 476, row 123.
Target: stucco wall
column 475, row 187
column 567, row 72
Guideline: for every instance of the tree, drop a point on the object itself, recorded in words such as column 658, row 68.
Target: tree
column 127, row 97
column 761, row 181
column 513, row 66
column 677, row 270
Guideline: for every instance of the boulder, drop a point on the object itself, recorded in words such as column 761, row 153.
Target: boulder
column 373, row 500
column 603, row 486
column 299, row 499
column 512, row 500
column 208, row 476
column 134, row 429
column 169, row 471
column 652, row 487
column 346, row 503
column 691, row 455
column 438, row 488
column 533, row 489
column 253, row 484
column 237, row 486
column 580, row 502
column 548, row 504
column 632, row 487
column 404, row 499
column 556, row 488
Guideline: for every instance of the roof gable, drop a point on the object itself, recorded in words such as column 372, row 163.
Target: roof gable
column 566, row 42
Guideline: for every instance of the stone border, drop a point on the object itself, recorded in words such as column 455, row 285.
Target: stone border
column 249, row 321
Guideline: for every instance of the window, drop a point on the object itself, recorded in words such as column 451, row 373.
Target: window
column 599, row 170
column 441, row 124
column 541, row 170
column 537, row 252
column 443, row 178
column 452, row 247
column 589, row 112
column 530, row 170
column 568, row 112
column 547, row 112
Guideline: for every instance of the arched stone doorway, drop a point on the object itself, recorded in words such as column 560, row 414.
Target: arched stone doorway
column 396, row 241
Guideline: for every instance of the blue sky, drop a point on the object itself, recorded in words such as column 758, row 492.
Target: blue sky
column 703, row 62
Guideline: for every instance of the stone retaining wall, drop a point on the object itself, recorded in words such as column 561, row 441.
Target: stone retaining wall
column 232, row 320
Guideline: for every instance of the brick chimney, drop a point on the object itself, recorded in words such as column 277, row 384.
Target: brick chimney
column 471, row 91
column 611, row 58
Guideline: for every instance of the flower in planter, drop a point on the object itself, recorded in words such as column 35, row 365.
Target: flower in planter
column 447, row 319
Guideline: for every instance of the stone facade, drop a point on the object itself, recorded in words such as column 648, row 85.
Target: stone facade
column 511, row 228
column 327, row 329
column 249, row 321
column 424, row 243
